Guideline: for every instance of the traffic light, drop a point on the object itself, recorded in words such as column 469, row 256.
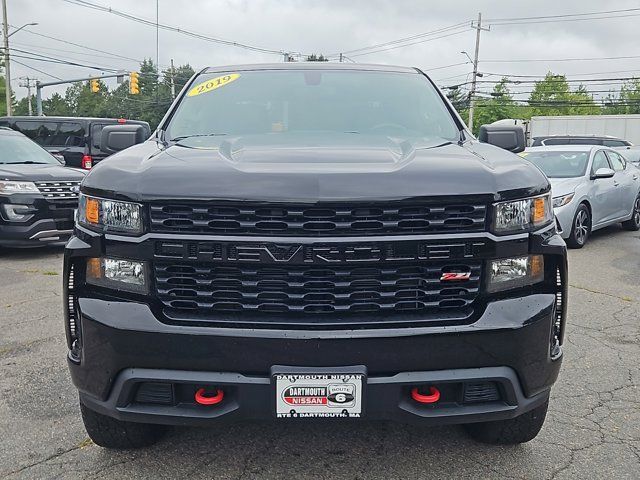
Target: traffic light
column 95, row 85
column 134, row 86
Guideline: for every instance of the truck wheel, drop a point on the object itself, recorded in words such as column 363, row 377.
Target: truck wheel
column 633, row 223
column 510, row 432
column 580, row 228
column 108, row 432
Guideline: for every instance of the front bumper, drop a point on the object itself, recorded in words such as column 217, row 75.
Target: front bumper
column 564, row 218
column 126, row 342
column 252, row 397
column 125, row 345
column 50, row 224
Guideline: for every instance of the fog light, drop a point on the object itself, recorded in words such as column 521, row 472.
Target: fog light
column 17, row 213
column 507, row 273
column 117, row 273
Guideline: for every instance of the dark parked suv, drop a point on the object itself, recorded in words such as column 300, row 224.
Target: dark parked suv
column 314, row 241
column 38, row 195
column 77, row 139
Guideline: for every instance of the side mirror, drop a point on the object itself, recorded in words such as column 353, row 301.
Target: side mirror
column 60, row 158
column 604, row 173
column 509, row 137
column 118, row 137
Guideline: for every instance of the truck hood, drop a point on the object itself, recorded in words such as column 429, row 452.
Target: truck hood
column 564, row 186
column 354, row 167
column 39, row 172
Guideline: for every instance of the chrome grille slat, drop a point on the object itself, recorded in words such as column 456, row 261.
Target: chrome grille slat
column 58, row 190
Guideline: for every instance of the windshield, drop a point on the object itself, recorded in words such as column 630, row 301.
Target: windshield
column 19, row 149
column 632, row 156
column 300, row 102
column 559, row 164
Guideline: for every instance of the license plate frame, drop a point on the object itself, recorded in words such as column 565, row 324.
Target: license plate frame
column 318, row 392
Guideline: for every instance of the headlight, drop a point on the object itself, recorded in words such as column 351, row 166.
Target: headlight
column 522, row 215
column 17, row 187
column 116, row 273
column 109, row 215
column 563, row 200
column 508, row 273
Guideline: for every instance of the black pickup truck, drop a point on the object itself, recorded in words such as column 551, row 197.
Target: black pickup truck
column 314, row 241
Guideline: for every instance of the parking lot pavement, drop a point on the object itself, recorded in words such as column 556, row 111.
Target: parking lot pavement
column 593, row 427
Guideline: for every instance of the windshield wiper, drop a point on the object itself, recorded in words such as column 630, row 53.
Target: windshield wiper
column 177, row 139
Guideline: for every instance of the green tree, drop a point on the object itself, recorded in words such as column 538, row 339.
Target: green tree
column 181, row 76
column 626, row 101
column 317, row 58
column 56, row 105
column 82, row 102
column 500, row 106
column 553, row 96
column 460, row 101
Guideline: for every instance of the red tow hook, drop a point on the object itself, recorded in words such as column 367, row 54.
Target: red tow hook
column 433, row 397
column 204, row 399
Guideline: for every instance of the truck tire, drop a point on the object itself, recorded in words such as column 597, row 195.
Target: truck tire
column 115, row 434
column 633, row 223
column 510, row 432
column 580, row 227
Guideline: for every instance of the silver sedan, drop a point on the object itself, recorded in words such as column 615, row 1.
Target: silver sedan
column 592, row 187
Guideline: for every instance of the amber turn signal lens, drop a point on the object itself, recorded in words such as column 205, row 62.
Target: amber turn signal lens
column 92, row 211
column 539, row 210
column 94, row 268
column 536, row 265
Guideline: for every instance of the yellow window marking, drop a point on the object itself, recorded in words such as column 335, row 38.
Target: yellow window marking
column 212, row 84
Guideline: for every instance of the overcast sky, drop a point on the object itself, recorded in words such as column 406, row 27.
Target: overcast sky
column 327, row 27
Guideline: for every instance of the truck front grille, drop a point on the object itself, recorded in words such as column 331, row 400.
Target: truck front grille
column 316, row 295
column 59, row 191
column 323, row 219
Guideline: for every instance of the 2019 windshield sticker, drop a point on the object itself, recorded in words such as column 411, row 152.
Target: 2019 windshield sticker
column 213, row 84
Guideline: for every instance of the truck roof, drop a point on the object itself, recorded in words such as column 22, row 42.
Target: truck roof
column 312, row 66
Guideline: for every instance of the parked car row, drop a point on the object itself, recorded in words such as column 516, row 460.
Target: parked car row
column 592, row 187
column 76, row 139
column 42, row 162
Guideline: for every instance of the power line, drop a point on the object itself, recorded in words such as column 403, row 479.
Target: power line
column 576, row 59
column 565, row 20
column 63, row 60
column 79, row 45
column 128, row 16
column 565, row 15
column 49, row 59
column 72, row 52
column 409, row 44
column 35, row 69
column 445, row 66
column 544, row 76
column 405, row 39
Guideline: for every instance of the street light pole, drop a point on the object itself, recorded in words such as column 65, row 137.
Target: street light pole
column 7, row 66
column 7, row 63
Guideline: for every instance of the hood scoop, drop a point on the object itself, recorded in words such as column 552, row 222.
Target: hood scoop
column 354, row 153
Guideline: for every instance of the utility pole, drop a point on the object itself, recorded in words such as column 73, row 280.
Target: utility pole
column 173, row 83
column 472, row 94
column 27, row 83
column 7, row 65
